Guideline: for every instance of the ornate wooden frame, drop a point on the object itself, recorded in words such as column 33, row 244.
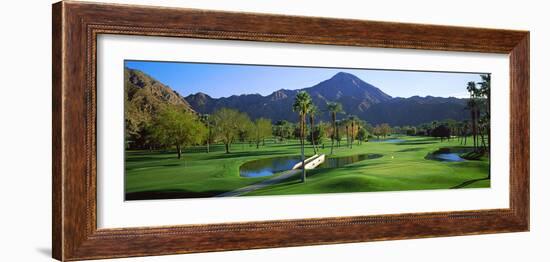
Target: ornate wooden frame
column 76, row 26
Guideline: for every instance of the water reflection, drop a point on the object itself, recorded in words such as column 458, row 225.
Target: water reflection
column 268, row 166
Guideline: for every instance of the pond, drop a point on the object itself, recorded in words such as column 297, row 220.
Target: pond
column 448, row 157
column 270, row 166
column 391, row 140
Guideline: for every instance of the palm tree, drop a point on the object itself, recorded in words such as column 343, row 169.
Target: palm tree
column 302, row 105
column 485, row 91
column 472, row 106
column 352, row 119
column 346, row 123
column 465, row 132
column 312, row 111
column 338, row 138
column 334, row 108
column 434, row 125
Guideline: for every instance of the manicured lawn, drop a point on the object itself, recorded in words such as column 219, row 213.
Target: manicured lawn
column 403, row 166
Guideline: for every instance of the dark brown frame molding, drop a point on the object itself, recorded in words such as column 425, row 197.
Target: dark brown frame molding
column 76, row 26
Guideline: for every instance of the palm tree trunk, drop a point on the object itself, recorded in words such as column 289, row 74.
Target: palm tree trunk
column 302, row 127
column 311, row 132
column 489, row 138
column 347, row 135
column 488, row 109
column 333, row 135
column 337, row 135
column 474, row 126
column 352, row 135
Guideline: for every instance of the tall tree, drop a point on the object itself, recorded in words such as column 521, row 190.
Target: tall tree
column 262, row 130
column 302, row 105
column 473, row 107
column 283, row 129
column 334, row 108
column 362, row 135
column 346, row 124
column 205, row 118
column 228, row 124
column 465, row 128
column 338, row 132
column 313, row 110
column 385, row 129
column 442, row 131
column 353, row 120
column 434, row 125
column 485, row 92
column 377, row 131
column 177, row 127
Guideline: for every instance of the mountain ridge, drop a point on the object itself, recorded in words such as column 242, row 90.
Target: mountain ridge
column 357, row 97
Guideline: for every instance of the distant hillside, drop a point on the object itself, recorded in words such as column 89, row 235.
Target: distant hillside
column 144, row 96
column 355, row 94
column 357, row 97
column 416, row 110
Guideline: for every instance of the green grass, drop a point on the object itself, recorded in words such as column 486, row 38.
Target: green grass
column 403, row 166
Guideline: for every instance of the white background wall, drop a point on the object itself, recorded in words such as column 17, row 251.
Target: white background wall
column 25, row 129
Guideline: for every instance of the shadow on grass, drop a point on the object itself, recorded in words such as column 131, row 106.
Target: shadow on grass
column 469, row 182
column 416, row 143
column 411, row 149
column 146, row 158
column 350, row 168
column 246, row 154
column 169, row 194
column 289, row 145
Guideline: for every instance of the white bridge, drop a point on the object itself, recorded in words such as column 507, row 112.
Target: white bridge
column 311, row 162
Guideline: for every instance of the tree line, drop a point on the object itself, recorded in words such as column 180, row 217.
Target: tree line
column 478, row 127
column 176, row 127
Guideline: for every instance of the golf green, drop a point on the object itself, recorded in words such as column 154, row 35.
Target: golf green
column 401, row 163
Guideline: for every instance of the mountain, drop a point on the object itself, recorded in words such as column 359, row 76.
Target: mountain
column 144, row 96
column 355, row 94
column 416, row 110
column 347, row 87
column 144, row 91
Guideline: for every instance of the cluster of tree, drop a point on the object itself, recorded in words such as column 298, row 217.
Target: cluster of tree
column 478, row 126
column 229, row 125
column 480, row 107
column 448, row 128
column 382, row 130
column 174, row 126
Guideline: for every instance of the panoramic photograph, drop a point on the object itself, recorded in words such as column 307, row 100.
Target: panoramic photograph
column 203, row 130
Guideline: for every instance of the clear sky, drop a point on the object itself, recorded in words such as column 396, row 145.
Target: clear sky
column 223, row 80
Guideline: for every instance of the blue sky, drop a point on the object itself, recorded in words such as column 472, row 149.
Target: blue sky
column 223, row 80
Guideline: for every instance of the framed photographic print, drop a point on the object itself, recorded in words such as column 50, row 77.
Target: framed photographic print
column 182, row 130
